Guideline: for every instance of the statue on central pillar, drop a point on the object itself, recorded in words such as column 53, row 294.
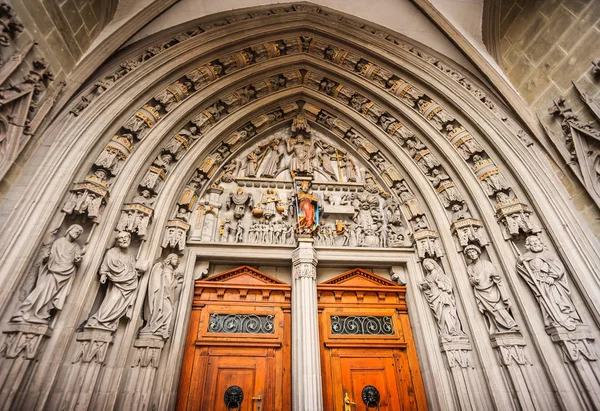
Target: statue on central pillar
column 307, row 209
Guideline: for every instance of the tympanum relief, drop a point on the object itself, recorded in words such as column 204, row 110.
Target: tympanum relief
column 298, row 181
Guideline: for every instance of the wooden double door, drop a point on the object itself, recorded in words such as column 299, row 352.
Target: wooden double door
column 237, row 352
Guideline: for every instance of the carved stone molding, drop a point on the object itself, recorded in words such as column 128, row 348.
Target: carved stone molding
column 24, row 340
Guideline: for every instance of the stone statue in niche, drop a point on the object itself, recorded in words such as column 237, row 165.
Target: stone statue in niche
column 492, row 299
column 236, row 61
column 54, row 281
column 228, row 173
column 205, row 120
column 422, row 156
column 119, row 269
column 365, row 147
column 341, row 57
column 238, row 98
column 373, row 72
column 433, row 112
column 411, row 205
column 266, row 51
column 269, row 85
column 144, row 198
column 438, row 292
column 301, row 147
column 252, row 160
column 465, row 144
column 349, row 169
column 445, row 187
column 403, row 89
column 173, row 94
column 161, row 298
column 204, row 75
column 546, row 275
column 240, row 199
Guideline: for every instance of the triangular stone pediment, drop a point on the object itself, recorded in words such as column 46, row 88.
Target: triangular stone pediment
column 245, row 275
column 357, row 277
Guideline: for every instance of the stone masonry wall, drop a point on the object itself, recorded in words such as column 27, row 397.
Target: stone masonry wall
column 545, row 45
column 63, row 30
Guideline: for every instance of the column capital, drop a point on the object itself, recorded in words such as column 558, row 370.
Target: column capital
column 304, row 259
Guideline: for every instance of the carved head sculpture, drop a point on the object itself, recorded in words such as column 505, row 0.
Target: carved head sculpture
column 172, row 259
column 472, row 252
column 304, row 187
column 430, row 265
column 123, row 239
column 74, row 231
column 534, row 243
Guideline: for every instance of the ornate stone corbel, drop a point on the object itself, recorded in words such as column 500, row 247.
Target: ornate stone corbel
column 144, row 119
column 115, row 153
column 175, row 235
column 23, row 339
column 427, row 244
column 135, row 219
column 514, row 216
column 89, row 197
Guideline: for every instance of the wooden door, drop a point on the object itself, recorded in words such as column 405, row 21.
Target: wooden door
column 238, row 339
column 367, row 352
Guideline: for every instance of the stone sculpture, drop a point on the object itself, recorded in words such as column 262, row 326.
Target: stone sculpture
column 54, row 281
column 119, row 269
column 546, row 275
column 437, row 289
column 492, row 299
column 161, row 298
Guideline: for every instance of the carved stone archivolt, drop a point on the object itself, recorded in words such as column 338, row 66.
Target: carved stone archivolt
column 299, row 172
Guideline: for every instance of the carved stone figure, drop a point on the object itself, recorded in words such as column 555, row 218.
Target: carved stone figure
column 373, row 72
column 349, row 169
column 273, row 161
column 434, row 113
column 492, row 299
column 204, row 75
column 226, row 230
column 270, row 205
column 206, row 119
column 161, row 298
column 173, row 94
column 266, row 51
column 54, row 281
column 239, row 98
column 546, row 275
column 239, row 232
column 420, row 153
column 437, row 289
column 341, row 57
column 118, row 268
column 410, row 203
column 302, row 149
column 236, row 61
column 307, row 209
column 240, row 199
column 445, row 187
column 269, row 85
column 403, row 89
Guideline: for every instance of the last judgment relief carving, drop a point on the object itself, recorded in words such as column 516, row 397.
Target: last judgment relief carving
column 297, row 180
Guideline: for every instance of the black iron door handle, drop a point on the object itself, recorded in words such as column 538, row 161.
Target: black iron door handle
column 370, row 396
column 233, row 398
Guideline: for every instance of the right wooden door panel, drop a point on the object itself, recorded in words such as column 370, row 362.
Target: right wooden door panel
column 368, row 355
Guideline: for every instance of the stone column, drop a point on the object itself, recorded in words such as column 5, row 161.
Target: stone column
column 307, row 392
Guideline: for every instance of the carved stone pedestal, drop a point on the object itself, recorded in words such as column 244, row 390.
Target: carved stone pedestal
column 140, row 381
column 92, row 347
column 518, row 370
column 20, row 348
column 578, row 351
column 307, row 391
column 466, row 382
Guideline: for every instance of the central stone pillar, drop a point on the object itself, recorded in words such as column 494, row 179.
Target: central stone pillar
column 307, row 394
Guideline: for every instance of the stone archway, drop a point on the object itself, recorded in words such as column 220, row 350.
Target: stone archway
column 414, row 119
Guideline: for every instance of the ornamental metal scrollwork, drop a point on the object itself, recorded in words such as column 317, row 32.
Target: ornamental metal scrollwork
column 362, row 324
column 241, row 323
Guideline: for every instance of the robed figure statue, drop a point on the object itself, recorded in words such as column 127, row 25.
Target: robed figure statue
column 54, row 281
column 161, row 298
column 118, row 268
column 307, row 204
column 437, row 289
column 545, row 274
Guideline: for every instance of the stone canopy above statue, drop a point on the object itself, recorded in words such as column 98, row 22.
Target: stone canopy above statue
column 298, row 180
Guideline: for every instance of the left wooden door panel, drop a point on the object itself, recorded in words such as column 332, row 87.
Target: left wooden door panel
column 239, row 335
